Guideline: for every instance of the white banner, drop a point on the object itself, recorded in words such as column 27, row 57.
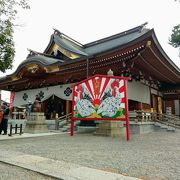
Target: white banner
column 138, row 92
column 61, row 91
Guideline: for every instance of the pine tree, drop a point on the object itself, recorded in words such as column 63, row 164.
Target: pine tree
column 174, row 40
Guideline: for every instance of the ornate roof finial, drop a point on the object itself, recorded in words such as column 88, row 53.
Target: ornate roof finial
column 31, row 52
column 144, row 24
column 110, row 73
column 56, row 31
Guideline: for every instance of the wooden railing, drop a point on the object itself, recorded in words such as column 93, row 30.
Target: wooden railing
column 63, row 120
column 143, row 116
column 136, row 116
column 169, row 120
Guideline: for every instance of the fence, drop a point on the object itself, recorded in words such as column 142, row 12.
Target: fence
column 16, row 128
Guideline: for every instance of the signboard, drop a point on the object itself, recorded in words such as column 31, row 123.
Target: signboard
column 100, row 98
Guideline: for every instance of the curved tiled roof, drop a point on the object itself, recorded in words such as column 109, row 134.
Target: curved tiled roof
column 114, row 41
column 39, row 59
column 68, row 45
column 46, row 61
column 96, row 47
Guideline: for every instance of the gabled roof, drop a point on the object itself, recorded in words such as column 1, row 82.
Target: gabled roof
column 66, row 43
column 96, row 47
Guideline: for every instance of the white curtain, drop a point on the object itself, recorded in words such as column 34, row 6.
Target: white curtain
column 61, row 91
column 138, row 92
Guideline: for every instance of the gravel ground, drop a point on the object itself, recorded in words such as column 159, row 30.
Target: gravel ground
column 150, row 156
column 10, row 172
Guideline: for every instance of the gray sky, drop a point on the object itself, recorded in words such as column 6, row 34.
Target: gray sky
column 90, row 20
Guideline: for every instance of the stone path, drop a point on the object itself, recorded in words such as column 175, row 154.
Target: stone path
column 57, row 169
column 153, row 156
column 54, row 168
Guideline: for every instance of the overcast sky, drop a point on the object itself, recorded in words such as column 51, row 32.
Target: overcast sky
column 90, row 20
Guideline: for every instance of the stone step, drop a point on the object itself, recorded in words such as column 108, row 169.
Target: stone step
column 171, row 129
column 163, row 127
column 61, row 124
column 67, row 126
column 63, row 129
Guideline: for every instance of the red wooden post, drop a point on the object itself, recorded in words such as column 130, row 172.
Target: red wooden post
column 127, row 130
column 127, row 112
column 72, row 127
column 0, row 99
column 72, row 118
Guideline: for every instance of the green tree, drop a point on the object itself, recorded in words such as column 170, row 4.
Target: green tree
column 175, row 37
column 8, row 14
column 174, row 40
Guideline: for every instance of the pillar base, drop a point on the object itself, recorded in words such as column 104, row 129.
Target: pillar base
column 36, row 123
column 111, row 128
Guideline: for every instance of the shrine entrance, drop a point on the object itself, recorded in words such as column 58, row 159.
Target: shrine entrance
column 54, row 107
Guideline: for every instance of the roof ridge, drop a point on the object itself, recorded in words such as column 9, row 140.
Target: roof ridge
column 57, row 32
column 33, row 53
column 138, row 28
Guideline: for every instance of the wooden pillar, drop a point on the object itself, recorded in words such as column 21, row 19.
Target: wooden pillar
column 1, row 113
column 140, row 106
column 0, row 98
column 154, row 103
column 159, row 105
column 67, row 107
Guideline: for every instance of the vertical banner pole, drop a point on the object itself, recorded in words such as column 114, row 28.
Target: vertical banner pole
column 127, row 112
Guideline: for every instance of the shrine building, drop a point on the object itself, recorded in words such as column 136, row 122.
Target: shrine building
column 135, row 53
